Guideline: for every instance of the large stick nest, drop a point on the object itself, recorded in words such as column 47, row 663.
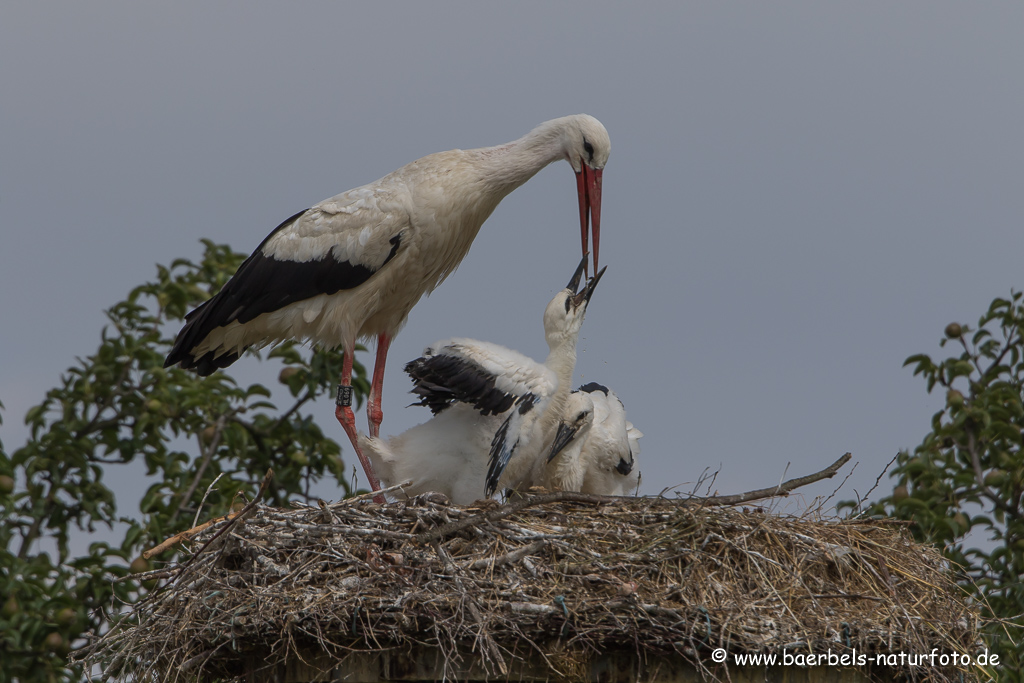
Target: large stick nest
column 568, row 579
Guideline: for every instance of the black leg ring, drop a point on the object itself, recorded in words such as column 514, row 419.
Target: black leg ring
column 344, row 396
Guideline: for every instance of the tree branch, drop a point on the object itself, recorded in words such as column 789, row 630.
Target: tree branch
column 291, row 411
column 94, row 424
column 972, row 448
column 782, row 489
column 33, row 532
column 211, row 448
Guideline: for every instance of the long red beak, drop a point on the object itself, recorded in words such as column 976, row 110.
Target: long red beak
column 588, row 186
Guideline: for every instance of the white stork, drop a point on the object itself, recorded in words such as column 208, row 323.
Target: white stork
column 488, row 401
column 595, row 448
column 354, row 265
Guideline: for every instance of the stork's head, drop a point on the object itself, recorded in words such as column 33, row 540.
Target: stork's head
column 586, row 145
column 564, row 315
column 577, row 419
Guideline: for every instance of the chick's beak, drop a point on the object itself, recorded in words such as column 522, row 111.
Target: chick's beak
column 574, row 282
column 564, row 435
column 583, row 298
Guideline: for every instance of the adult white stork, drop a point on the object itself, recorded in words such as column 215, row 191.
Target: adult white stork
column 354, row 265
column 495, row 410
column 595, row 448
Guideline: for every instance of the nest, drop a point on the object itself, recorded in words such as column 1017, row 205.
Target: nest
column 547, row 587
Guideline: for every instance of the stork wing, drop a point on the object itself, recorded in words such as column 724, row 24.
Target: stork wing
column 336, row 245
column 507, row 438
column 488, row 376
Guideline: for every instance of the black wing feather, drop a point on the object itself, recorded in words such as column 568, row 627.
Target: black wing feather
column 505, row 442
column 263, row 284
column 442, row 380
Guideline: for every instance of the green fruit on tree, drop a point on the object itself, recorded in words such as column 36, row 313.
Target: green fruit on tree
column 953, row 330
column 139, row 565
column 954, row 399
column 900, row 492
column 207, row 434
column 11, row 607
column 996, row 478
column 287, row 374
column 54, row 642
column 6, row 484
column 66, row 617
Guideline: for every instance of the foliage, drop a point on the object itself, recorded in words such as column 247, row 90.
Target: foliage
column 968, row 473
column 120, row 406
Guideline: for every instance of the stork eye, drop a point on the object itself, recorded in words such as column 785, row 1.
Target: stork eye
column 589, row 149
column 581, row 417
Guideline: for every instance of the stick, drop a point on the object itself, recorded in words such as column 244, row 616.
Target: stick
column 507, row 558
column 199, row 510
column 242, row 514
column 780, row 490
column 185, row 535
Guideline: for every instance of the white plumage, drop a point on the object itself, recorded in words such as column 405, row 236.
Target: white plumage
column 496, row 410
column 354, row 265
column 595, row 448
column 447, row 454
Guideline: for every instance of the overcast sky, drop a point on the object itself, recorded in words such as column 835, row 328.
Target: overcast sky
column 799, row 195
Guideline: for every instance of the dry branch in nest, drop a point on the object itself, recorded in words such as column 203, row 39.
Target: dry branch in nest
column 555, row 578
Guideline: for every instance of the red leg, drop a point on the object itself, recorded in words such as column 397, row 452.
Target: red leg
column 348, row 423
column 374, row 414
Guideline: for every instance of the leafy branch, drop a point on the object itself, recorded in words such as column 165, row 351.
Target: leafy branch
column 120, row 406
column 966, row 480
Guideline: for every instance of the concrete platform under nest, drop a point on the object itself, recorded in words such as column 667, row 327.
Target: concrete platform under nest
column 556, row 587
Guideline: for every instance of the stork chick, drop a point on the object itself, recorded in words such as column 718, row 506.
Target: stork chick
column 595, row 448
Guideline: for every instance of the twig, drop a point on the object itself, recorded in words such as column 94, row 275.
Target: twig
column 291, row 411
column 374, row 494
column 823, row 503
column 861, row 499
column 507, row 558
column 880, row 475
column 211, row 448
column 780, row 490
column 195, row 520
column 185, row 535
column 242, row 514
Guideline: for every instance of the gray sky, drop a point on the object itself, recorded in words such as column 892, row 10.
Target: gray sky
column 799, row 196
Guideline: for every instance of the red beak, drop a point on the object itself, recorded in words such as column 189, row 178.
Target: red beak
column 588, row 186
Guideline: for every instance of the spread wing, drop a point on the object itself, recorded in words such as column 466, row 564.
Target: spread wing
column 487, row 376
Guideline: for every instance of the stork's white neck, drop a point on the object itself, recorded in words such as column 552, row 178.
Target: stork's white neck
column 506, row 167
column 562, row 360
